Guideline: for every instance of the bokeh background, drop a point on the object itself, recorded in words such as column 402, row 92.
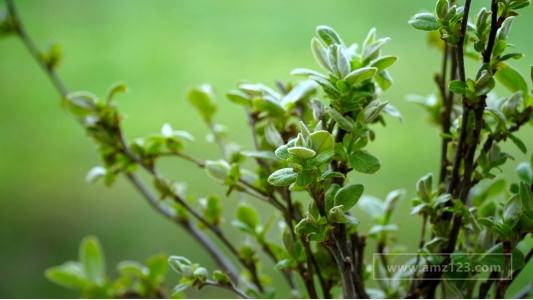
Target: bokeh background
column 160, row 48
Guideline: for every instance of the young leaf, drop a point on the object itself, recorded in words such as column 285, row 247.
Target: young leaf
column 180, row 265
column 117, row 87
column 457, row 87
column 384, row 62
column 70, row 275
column 283, row 177
column 341, row 121
column 95, row 174
column 364, row 162
column 518, row 142
column 424, row 21
column 348, row 196
column 201, row 99
column 320, row 54
column 524, row 172
column 133, row 268
column 92, row 258
column 302, row 152
column 217, row 170
column 283, row 152
column 360, row 75
column 247, row 215
column 511, row 79
column 328, row 35
column 157, row 266
column 321, row 141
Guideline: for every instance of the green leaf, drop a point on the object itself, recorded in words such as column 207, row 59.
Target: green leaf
column 517, row 142
column 247, row 215
column 217, row 170
column 424, row 21
column 304, row 178
column 384, row 62
column 321, row 141
column 95, row 174
column 283, row 152
column 327, row 86
column 524, row 172
column 320, row 55
column 328, row 35
column 302, row 152
column 221, row 278
column 526, row 196
column 331, row 174
column 306, row 73
column 240, row 98
column 181, row 287
column 384, row 80
column 80, row 104
column 322, row 159
column 329, row 198
column 283, row 177
column 341, row 121
column 372, row 206
column 180, row 265
column 343, row 62
column 201, row 99
column 200, row 275
column 70, row 275
column 133, row 268
column 457, row 87
column 92, row 258
column 273, row 136
column 117, row 87
column 382, row 228
column 348, row 196
column 157, row 266
column 512, row 207
column 511, row 79
column 300, row 91
column 360, row 75
column 364, row 162
column 262, row 154
column 337, row 215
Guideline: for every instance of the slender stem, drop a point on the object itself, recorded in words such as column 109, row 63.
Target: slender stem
column 229, row 287
column 447, row 100
column 420, row 246
column 485, row 286
column 505, row 282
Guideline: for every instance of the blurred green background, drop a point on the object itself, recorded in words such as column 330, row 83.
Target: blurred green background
column 160, row 48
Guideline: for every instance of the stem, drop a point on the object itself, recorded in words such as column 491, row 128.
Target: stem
column 420, row 246
column 485, row 286
column 505, row 282
column 229, row 287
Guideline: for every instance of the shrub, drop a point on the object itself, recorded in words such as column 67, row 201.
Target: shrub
column 308, row 136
